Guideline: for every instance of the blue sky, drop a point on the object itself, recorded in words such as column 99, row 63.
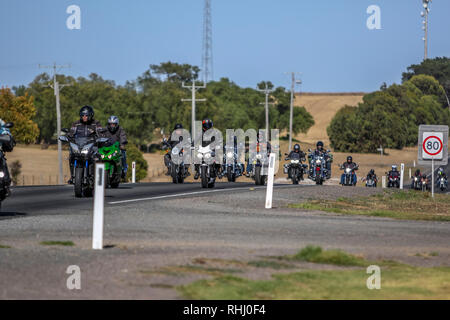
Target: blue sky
column 253, row 40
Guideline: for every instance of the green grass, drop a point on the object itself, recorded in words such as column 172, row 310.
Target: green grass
column 58, row 243
column 4, row 246
column 335, row 257
column 410, row 205
column 396, row 283
column 270, row 264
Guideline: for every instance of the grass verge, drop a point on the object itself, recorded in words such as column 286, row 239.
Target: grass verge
column 58, row 243
column 4, row 247
column 408, row 205
column 398, row 281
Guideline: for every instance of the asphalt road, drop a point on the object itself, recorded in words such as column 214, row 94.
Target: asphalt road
column 29, row 201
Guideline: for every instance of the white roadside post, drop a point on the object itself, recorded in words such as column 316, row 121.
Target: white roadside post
column 133, row 172
column 383, row 182
column 99, row 199
column 402, row 174
column 410, row 176
column 270, row 175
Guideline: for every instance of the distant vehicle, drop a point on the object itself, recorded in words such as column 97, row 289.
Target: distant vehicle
column 6, row 144
column 348, row 175
column 393, row 179
column 295, row 169
column 442, row 183
column 111, row 156
column 318, row 171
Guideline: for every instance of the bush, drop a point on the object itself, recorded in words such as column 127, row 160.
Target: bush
column 135, row 155
column 15, row 171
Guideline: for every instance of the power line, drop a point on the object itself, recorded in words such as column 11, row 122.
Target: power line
column 56, row 87
column 193, row 89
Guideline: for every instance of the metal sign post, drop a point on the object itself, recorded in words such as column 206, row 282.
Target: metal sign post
column 99, row 199
column 271, row 173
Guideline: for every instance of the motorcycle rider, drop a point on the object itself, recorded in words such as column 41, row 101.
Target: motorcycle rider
column 328, row 158
column 353, row 166
column 206, row 125
column 6, row 147
column 259, row 138
column 441, row 174
column 84, row 127
column 170, row 143
column 371, row 176
column 298, row 151
column 116, row 133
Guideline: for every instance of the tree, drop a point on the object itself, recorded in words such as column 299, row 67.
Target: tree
column 19, row 110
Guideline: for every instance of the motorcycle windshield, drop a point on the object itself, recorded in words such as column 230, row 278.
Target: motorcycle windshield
column 295, row 156
column 82, row 141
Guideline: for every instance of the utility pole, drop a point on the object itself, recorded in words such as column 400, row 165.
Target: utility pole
column 56, row 87
column 426, row 6
column 193, row 89
column 267, row 91
column 291, row 115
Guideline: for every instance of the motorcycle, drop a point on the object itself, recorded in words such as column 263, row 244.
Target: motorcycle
column 424, row 183
column 371, row 182
column 5, row 139
column 84, row 154
column 111, row 156
column 295, row 169
column 416, row 183
column 208, row 170
column 317, row 168
column 442, row 183
column 232, row 167
column 393, row 180
column 348, row 175
column 180, row 171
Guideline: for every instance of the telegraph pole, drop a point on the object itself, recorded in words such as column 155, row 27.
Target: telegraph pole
column 56, row 87
column 193, row 89
column 267, row 91
column 291, row 115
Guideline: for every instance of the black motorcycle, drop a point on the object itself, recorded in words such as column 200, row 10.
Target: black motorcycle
column 295, row 169
column 179, row 171
column 84, row 154
column 393, row 179
column 348, row 175
column 6, row 144
column 232, row 168
column 209, row 170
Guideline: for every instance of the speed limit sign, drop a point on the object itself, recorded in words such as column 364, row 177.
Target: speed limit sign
column 432, row 145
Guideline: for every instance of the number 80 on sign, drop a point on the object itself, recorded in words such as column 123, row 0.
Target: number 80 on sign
column 432, row 145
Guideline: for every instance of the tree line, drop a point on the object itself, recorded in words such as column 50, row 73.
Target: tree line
column 153, row 101
column 390, row 117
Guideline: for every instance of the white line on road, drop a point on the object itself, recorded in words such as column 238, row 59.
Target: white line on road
column 191, row 193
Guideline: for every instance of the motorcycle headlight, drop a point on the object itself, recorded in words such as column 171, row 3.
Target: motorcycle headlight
column 199, row 155
column 74, row 148
column 109, row 156
column 348, row 170
column 102, row 156
column 84, row 151
column 86, row 148
column 230, row 155
column 2, row 174
column 415, row 178
column 318, row 161
column 207, row 155
column 258, row 156
column 295, row 161
column 175, row 150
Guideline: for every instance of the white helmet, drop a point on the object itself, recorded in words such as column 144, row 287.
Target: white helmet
column 394, row 167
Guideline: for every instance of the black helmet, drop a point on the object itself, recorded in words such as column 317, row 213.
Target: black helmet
column 207, row 124
column 87, row 111
column 372, row 171
column 178, row 126
column 349, row 159
column 297, row 147
column 319, row 144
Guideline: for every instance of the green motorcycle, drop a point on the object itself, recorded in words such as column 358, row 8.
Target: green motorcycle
column 111, row 156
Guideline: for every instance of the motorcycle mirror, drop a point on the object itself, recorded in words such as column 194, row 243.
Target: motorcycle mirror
column 328, row 150
column 64, row 139
column 101, row 130
column 309, row 150
column 65, row 130
column 102, row 140
column 9, row 125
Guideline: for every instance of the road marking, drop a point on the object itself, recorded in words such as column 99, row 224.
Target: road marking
column 192, row 193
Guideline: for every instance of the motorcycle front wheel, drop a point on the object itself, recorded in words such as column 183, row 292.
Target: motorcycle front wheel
column 78, row 183
column 204, row 176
